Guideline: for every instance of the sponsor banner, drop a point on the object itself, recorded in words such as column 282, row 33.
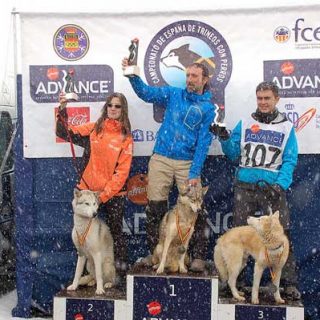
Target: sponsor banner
column 299, row 84
column 238, row 58
column 269, row 137
column 296, row 78
column 91, row 82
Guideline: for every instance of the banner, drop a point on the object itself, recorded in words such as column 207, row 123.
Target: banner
column 241, row 48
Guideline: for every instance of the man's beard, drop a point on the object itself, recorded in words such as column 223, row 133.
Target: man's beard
column 194, row 89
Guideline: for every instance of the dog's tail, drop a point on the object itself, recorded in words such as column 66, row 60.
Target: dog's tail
column 220, row 263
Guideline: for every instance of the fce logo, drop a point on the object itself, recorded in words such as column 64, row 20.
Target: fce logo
column 305, row 36
column 305, row 33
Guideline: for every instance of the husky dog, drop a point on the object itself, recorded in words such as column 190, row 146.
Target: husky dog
column 176, row 229
column 265, row 241
column 94, row 243
column 183, row 57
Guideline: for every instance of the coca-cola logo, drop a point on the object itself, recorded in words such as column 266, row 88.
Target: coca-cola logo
column 76, row 116
column 78, row 119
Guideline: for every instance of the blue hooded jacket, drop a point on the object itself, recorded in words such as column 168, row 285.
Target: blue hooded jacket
column 184, row 133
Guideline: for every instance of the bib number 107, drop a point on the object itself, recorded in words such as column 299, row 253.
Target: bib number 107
column 260, row 156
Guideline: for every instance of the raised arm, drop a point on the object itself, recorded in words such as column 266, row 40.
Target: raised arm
column 148, row 93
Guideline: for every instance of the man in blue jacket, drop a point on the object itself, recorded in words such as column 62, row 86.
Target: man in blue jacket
column 266, row 145
column 180, row 150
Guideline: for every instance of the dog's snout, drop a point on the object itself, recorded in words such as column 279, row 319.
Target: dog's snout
column 95, row 214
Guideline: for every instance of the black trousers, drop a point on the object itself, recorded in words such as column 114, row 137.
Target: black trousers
column 248, row 199
column 112, row 212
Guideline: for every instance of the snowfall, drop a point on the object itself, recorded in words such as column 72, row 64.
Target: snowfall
column 7, row 302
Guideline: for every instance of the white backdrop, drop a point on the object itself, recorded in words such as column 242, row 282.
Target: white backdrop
column 252, row 36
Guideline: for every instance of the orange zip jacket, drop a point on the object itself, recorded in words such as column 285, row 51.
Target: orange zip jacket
column 109, row 156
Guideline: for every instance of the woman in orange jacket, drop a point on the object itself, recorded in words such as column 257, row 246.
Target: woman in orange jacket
column 107, row 159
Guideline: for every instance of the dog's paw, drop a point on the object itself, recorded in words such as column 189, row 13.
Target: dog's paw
column 108, row 285
column 280, row 301
column 238, row 299
column 160, row 270
column 183, row 269
column 72, row 287
column 156, row 266
column 241, row 293
column 100, row 291
column 255, row 301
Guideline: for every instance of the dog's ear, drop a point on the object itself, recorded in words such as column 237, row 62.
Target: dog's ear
column 205, row 190
column 276, row 214
column 184, row 189
column 76, row 193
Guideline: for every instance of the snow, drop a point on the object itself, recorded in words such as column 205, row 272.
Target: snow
column 7, row 303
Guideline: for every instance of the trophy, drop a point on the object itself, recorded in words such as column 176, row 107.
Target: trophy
column 70, row 96
column 217, row 126
column 219, row 116
column 132, row 69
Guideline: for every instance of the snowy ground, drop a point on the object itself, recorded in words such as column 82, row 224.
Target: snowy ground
column 7, row 303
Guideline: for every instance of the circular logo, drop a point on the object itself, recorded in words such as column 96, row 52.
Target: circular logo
column 53, row 74
column 281, row 34
column 154, row 308
column 71, row 42
column 137, row 189
column 182, row 43
column 287, row 68
column 255, row 128
column 78, row 316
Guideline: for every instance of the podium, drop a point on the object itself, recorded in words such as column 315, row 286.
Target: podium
column 83, row 304
column 170, row 296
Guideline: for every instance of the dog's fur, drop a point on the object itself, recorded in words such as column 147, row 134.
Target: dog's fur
column 166, row 254
column 97, row 249
column 264, row 234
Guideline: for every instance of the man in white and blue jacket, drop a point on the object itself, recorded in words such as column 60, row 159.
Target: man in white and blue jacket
column 266, row 146
column 180, row 149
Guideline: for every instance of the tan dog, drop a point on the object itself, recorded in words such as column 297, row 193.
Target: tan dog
column 94, row 244
column 176, row 229
column 265, row 241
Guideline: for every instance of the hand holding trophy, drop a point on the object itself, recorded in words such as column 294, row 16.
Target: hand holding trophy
column 69, row 95
column 129, row 65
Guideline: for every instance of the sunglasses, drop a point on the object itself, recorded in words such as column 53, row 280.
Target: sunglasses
column 110, row 105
